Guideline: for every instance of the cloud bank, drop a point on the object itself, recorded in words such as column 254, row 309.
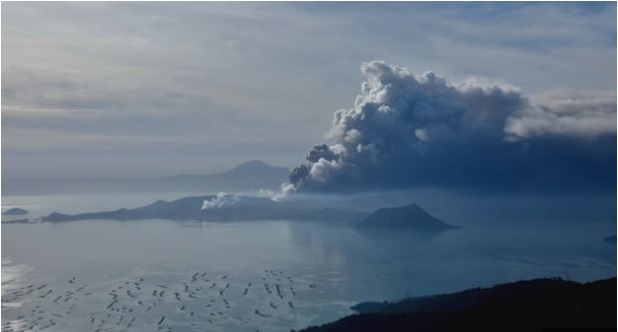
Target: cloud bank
column 583, row 114
column 135, row 89
column 411, row 131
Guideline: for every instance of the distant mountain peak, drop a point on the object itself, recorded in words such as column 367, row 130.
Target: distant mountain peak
column 247, row 176
column 256, row 167
column 251, row 164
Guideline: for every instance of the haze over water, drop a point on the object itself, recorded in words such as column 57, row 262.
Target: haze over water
column 281, row 274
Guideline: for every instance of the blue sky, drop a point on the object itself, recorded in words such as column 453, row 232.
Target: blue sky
column 148, row 89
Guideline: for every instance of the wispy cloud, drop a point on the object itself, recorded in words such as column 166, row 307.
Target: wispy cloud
column 240, row 72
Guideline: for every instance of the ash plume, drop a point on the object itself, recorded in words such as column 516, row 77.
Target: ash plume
column 410, row 131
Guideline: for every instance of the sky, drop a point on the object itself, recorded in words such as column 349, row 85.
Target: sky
column 156, row 89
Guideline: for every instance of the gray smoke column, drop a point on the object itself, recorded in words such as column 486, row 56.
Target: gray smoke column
column 407, row 130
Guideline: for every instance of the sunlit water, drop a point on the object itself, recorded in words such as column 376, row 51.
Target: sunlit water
column 245, row 276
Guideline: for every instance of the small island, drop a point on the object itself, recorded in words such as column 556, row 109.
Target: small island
column 14, row 212
column 409, row 217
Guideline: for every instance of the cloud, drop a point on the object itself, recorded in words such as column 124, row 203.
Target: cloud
column 408, row 131
column 586, row 114
column 187, row 73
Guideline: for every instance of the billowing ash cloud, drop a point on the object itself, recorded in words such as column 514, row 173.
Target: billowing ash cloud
column 409, row 131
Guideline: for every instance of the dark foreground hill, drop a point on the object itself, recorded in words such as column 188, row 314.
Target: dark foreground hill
column 409, row 217
column 520, row 306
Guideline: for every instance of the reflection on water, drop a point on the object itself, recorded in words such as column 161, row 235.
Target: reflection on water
column 273, row 275
column 12, row 277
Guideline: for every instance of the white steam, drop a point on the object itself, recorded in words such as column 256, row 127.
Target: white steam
column 220, row 200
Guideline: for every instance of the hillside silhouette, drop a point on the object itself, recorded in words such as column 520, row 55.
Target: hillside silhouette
column 519, row 306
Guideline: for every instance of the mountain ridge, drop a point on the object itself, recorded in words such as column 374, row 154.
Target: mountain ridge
column 247, row 176
column 191, row 208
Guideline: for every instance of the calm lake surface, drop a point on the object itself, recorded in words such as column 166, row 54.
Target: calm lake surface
column 245, row 276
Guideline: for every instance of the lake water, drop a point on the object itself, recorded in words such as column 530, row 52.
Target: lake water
column 246, row 276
